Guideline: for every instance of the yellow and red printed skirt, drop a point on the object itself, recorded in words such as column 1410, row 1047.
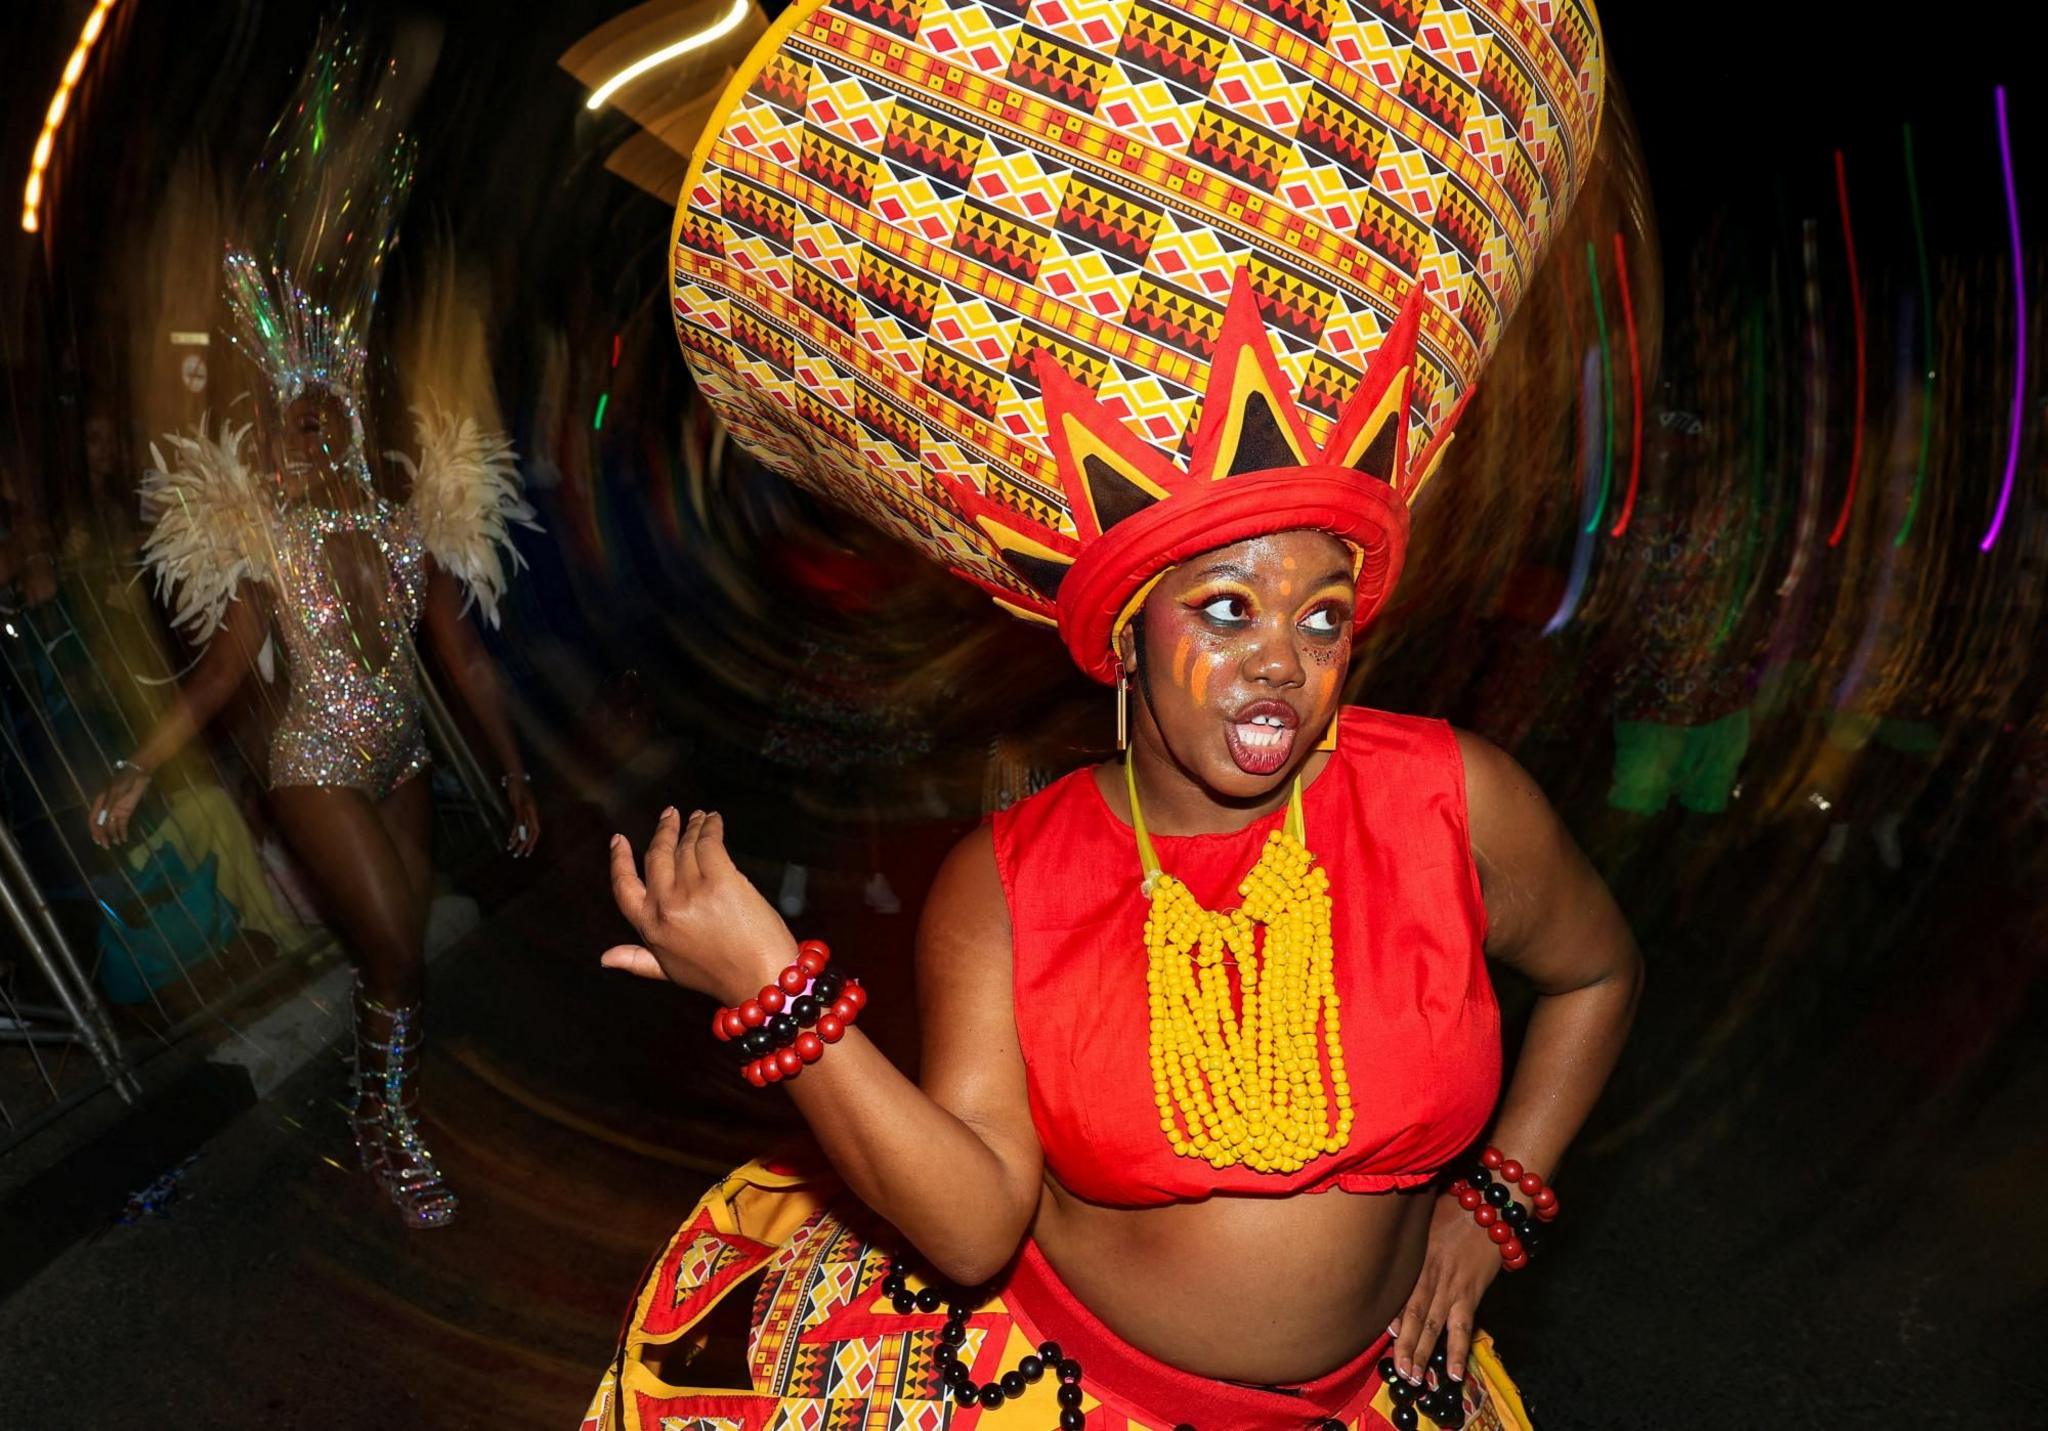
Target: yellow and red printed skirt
column 828, row 1352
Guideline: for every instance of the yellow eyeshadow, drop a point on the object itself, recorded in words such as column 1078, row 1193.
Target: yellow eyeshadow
column 1227, row 588
column 1334, row 591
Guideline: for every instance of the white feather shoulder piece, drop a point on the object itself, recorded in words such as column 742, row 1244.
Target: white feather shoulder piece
column 210, row 527
column 466, row 497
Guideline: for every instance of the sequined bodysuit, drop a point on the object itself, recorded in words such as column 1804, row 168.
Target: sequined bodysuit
column 354, row 715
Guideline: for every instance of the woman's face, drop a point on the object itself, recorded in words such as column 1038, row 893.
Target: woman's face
column 1245, row 650
column 317, row 434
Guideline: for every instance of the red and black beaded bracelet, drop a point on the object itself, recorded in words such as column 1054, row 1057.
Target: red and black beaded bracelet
column 1515, row 1230
column 788, row 1024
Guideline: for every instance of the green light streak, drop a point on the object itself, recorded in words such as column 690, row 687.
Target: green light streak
column 1607, row 408
column 597, row 423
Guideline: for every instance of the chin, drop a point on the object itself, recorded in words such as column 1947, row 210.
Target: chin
column 1222, row 774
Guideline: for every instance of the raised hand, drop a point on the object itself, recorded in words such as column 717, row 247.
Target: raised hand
column 701, row 923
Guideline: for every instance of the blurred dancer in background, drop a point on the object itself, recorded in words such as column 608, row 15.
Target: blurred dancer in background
column 283, row 537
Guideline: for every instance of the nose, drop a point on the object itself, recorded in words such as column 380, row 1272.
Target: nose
column 1274, row 659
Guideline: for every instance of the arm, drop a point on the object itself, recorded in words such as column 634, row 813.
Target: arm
column 954, row 1165
column 222, row 668
column 1549, row 916
column 475, row 677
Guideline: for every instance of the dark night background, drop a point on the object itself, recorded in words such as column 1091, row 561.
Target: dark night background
column 1807, row 1197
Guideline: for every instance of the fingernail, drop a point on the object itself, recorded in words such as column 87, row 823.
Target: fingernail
column 1457, row 1372
column 618, row 840
column 669, row 813
column 1394, row 1327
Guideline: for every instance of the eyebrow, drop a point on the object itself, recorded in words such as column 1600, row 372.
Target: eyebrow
column 1237, row 572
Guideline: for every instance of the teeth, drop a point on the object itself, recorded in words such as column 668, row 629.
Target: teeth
column 1259, row 735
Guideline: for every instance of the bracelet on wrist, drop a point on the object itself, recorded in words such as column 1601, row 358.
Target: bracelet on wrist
column 121, row 765
column 791, row 1021
column 1516, row 1230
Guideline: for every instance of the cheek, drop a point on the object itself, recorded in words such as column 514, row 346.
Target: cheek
column 1198, row 685
column 1181, row 669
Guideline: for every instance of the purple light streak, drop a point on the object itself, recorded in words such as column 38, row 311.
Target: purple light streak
column 2019, row 336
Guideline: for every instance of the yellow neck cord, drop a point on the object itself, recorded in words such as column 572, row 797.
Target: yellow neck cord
column 1244, row 1036
column 1297, row 825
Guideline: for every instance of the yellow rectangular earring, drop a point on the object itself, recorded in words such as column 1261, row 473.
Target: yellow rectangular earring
column 1123, row 708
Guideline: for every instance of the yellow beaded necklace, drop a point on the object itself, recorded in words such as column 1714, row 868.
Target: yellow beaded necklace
column 1241, row 1080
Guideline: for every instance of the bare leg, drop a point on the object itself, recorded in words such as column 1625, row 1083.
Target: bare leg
column 407, row 814
column 371, row 869
column 344, row 845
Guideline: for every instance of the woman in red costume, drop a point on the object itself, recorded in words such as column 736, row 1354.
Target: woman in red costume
column 1210, row 1047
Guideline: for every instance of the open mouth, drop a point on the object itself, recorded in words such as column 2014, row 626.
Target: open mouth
column 1261, row 737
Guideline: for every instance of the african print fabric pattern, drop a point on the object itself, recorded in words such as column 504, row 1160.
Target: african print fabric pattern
column 828, row 1352
column 903, row 206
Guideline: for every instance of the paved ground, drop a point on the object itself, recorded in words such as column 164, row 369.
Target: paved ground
column 1811, row 1198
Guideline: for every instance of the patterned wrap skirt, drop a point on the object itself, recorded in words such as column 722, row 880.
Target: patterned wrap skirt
column 828, row 1351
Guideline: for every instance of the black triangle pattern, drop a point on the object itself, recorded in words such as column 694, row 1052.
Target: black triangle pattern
column 1115, row 496
column 1262, row 443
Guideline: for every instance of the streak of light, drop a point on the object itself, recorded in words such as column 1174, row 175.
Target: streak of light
column 1582, row 551
column 1635, row 386
column 1926, row 343
column 597, row 422
column 1607, row 404
column 46, row 142
column 710, row 34
column 1856, row 311
column 1816, row 417
column 2019, row 328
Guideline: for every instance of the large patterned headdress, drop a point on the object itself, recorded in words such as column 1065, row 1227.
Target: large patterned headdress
column 1066, row 291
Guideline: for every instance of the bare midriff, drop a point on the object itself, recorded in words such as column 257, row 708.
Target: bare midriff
column 1270, row 1290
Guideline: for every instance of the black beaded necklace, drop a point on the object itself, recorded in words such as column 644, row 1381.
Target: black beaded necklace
column 960, row 1383
column 1445, row 1405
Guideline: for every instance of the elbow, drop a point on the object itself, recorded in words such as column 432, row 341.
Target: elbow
column 1634, row 971
column 974, row 1265
column 970, row 1252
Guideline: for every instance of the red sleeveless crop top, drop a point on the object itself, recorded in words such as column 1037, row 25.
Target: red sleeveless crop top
column 1421, row 1027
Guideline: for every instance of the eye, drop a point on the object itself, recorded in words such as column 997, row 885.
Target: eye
column 1324, row 620
column 1226, row 608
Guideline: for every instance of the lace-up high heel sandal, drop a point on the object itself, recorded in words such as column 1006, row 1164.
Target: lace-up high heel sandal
column 381, row 1114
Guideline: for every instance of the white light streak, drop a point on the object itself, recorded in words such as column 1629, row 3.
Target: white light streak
column 718, row 30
